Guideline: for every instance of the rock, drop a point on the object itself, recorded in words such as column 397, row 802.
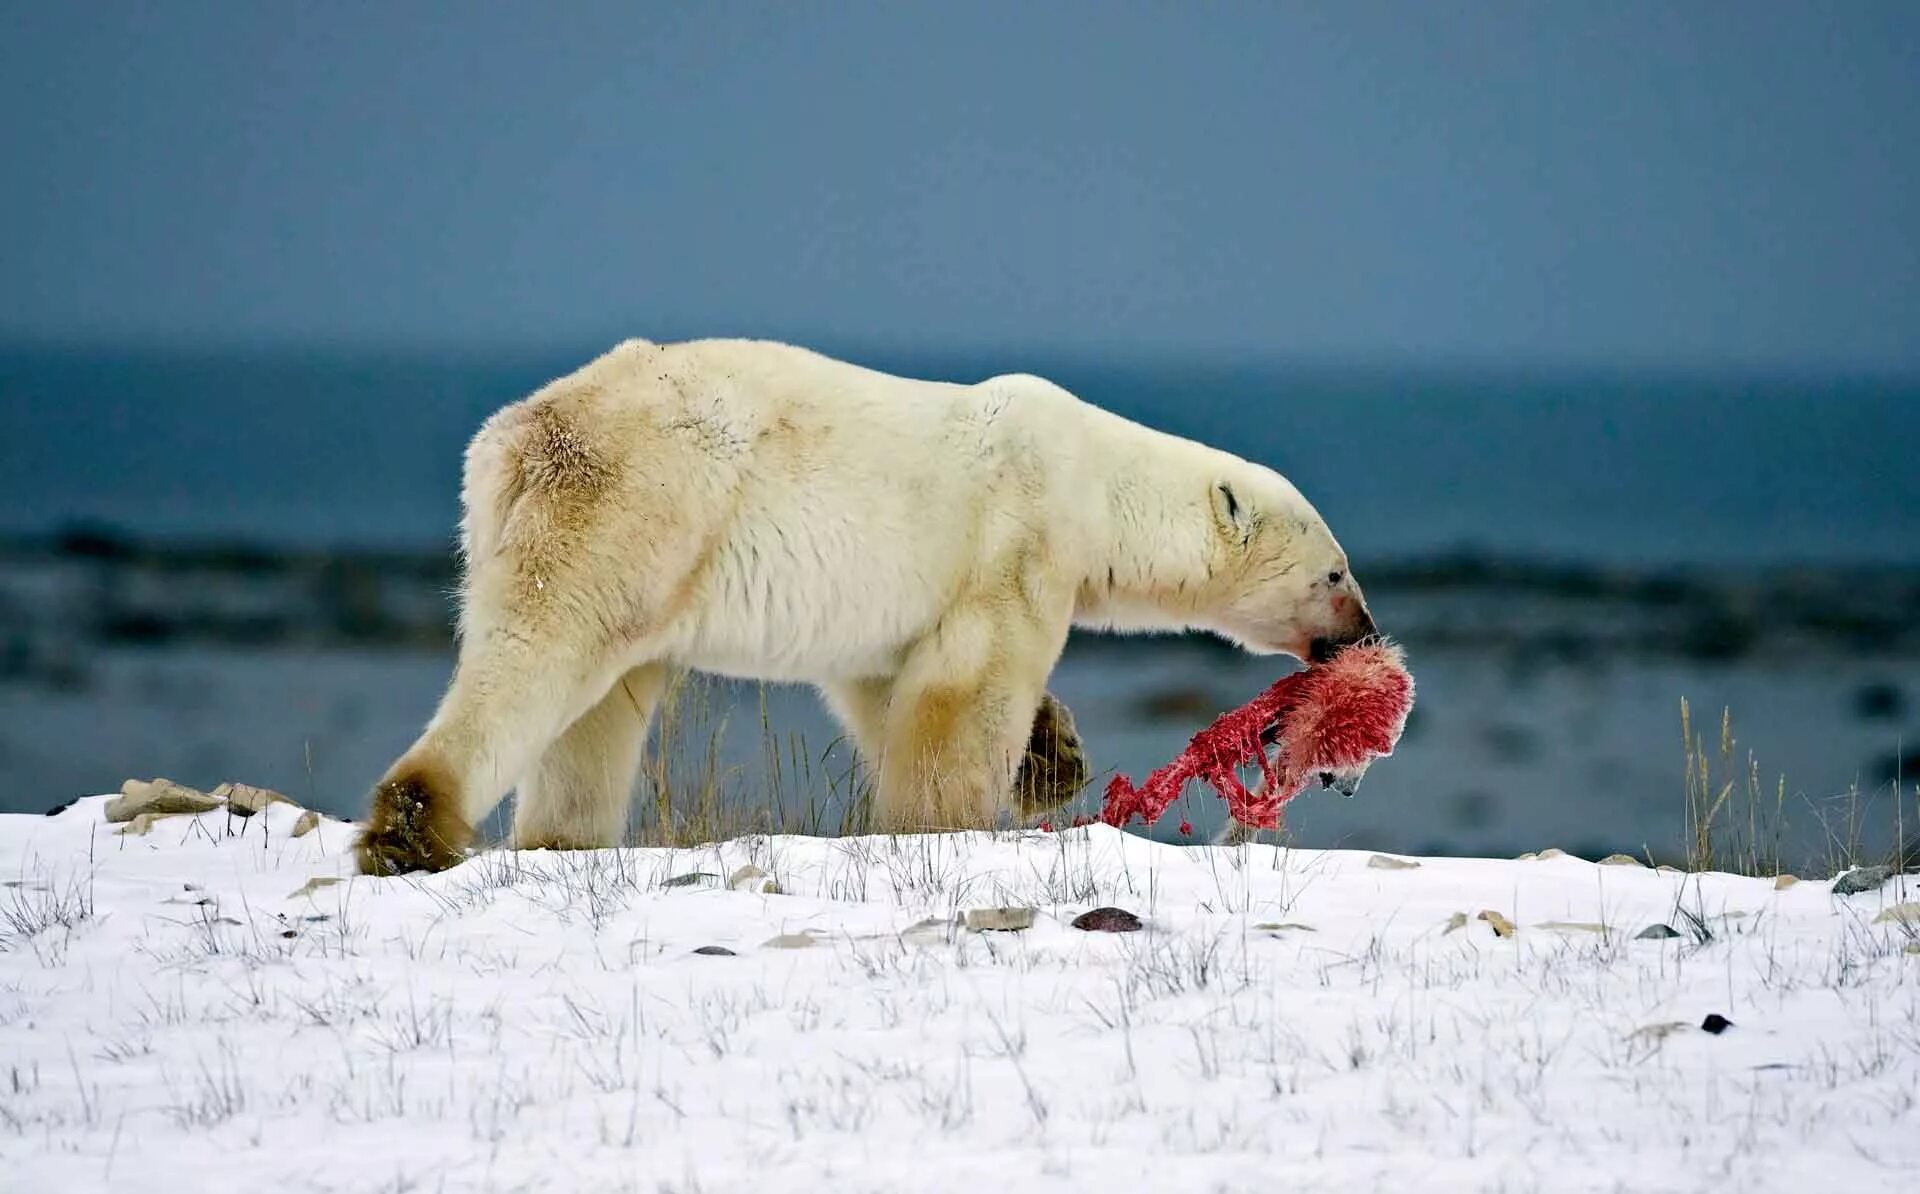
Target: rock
column 1108, row 920
column 244, row 800
column 1502, row 927
column 1621, row 860
column 1381, row 862
column 752, row 878
column 1782, row 882
column 1716, row 1023
column 934, row 930
column 790, row 941
column 1900, row 914
column 62, row 807
column 157, row 796
column 691, row 879
column 143, row 823
column 1573, row 926
column 307, row 823
column 999, row 920
column 1656, row 1033
column 312, row 885
column 715, row 951
column 1879, row 701
column 1861, row 879
column 1457, row 921
column 1656, row 933
column 1285, row 926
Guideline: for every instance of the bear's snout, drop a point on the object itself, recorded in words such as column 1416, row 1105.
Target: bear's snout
column 1322, row 648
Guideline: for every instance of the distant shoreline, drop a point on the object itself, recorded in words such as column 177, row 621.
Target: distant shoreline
column 101, row 586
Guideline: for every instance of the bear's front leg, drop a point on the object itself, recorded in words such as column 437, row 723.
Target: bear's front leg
column 960, row 717
column 1055, row 767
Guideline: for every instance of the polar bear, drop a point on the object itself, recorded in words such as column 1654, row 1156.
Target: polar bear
column 916, row 549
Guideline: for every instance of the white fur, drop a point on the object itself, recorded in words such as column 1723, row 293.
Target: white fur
column 917, row 549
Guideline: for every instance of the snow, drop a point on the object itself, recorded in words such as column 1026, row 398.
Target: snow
column 183, row 1011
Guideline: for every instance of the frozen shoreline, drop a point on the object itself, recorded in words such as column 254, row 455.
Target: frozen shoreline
column 541, row 1021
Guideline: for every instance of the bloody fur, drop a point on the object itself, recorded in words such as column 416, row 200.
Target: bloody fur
column 1332, row 716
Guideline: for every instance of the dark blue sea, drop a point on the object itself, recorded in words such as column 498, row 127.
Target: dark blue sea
column 363, row 448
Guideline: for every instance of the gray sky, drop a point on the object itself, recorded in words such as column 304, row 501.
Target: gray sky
column 1701, row 184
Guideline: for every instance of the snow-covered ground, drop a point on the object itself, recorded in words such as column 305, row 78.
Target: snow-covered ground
column 187, row 1010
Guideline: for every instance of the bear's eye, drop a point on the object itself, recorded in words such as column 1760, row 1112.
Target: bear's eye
column 1335, row 577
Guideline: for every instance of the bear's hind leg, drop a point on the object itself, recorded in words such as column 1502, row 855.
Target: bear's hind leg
column 511, row 695
column 577, row 795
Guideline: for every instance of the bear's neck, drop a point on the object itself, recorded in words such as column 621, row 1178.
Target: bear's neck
column 1154, row 568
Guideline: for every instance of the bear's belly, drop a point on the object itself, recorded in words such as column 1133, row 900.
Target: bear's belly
column 812, row 608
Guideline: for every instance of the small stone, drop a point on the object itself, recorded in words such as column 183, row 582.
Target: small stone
column 312, row 885
column 752, row 878
column 1455, row 922
column 1108, row 920
column 62, row 807
column 790, row 941
column 1656, row 933
column 999, row 920
column 1621, row 860
column 1782, row 882
column 307, row 823
column 691, row 879
column 1716, row 1023
column 1382, row 862
column 1900, row 914
column 157, row 796
column 1573, row 926
column 715, row 951
column 1502, row 927
column 1860, row 880
column 244, row 800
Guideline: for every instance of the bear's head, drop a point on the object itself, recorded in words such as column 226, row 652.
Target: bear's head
column 1279, row 581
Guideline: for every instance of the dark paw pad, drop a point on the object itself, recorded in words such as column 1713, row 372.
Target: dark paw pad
column 1054, row 768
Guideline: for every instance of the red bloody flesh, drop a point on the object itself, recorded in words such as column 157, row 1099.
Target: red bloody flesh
column 1329, row 717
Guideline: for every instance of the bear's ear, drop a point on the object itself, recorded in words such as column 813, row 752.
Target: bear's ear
column 1232, row 513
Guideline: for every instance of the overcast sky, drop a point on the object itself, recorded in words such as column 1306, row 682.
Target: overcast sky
column 1699, row 184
